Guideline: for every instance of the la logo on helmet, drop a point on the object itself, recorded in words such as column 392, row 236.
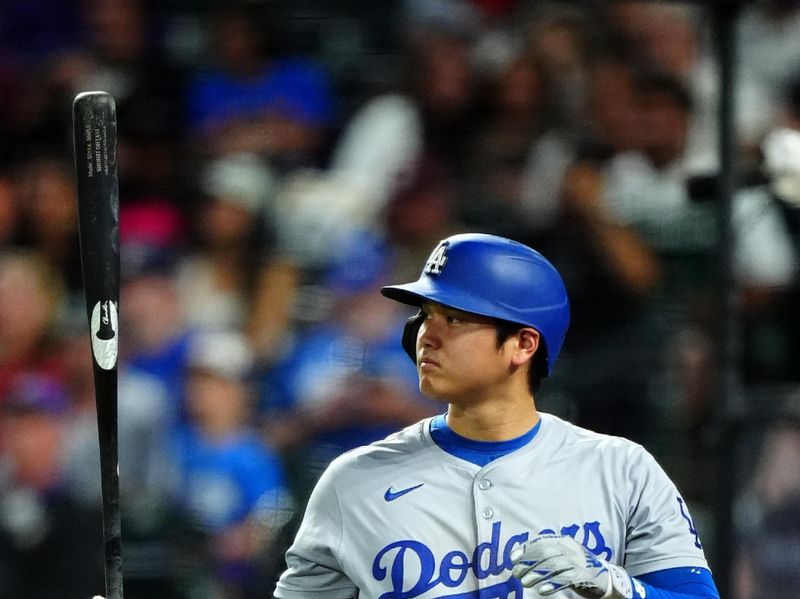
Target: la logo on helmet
column 437, row 259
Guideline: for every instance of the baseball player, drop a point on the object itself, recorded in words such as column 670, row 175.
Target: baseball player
column 493, row 499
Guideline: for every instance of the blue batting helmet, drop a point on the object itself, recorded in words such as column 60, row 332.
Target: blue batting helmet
column 496, row 277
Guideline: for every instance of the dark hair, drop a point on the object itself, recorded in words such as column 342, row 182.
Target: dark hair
column 538, row 366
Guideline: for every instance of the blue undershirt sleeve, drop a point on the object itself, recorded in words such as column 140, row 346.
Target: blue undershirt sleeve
column 677, row 583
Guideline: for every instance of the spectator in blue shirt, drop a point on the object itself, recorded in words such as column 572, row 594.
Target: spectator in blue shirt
column 230, row 484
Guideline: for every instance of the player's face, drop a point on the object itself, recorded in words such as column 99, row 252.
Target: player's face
column 457, row 355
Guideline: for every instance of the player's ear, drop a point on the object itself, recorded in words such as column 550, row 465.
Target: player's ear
column 528, row 341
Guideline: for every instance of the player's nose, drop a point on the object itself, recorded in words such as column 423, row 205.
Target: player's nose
column 429, row 335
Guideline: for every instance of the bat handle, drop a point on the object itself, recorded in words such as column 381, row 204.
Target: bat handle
column 106, row 387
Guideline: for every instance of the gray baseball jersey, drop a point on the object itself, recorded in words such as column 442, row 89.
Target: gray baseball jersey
column 402, row 518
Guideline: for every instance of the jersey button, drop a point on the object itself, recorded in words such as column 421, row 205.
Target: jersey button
column 488, row 513
column 484, row 484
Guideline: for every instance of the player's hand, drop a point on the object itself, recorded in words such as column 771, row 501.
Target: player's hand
column 551, row 563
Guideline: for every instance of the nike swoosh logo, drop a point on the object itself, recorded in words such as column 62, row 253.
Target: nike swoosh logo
column 392, row 495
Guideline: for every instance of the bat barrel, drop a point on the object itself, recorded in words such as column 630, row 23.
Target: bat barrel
column 95, row 130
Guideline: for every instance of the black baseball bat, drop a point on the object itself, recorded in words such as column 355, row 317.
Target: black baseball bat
column 95, row 135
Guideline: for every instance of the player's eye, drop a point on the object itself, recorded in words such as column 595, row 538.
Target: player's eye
column 453, row 319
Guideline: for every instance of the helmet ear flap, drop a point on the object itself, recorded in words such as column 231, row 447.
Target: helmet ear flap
column 410, row 331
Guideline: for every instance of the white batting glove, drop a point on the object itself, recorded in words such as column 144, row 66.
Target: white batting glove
column 552, row 563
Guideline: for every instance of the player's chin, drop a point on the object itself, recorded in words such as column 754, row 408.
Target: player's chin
column 433, row 387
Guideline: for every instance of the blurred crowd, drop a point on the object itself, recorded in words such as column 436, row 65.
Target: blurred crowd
column 281, row 160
